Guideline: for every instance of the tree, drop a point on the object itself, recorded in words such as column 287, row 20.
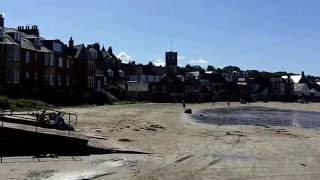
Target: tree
column 150, row 63
column 188, row 68
column 231, row 69
column 219, row 70
column 280, row 73
column 210, row 68
column 253, row 73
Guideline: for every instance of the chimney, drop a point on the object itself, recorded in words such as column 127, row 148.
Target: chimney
column 96, row 46
column 1, row 21
column 110, row 50
column 71, row 42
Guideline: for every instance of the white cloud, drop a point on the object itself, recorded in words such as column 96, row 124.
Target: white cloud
column 159, row 62
column 198, row 61
column 181, row 57
column 181, row 60
column 124, row 57
column 3, row 14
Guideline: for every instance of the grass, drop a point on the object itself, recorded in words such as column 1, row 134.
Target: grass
column 20, row 104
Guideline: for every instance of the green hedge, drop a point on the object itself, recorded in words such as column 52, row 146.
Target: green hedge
column 20, row 104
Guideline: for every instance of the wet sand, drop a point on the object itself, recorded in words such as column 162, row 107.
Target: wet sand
column 179, row 147
column 258, row 116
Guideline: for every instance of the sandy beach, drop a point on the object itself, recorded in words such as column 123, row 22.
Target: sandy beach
column 179, row 148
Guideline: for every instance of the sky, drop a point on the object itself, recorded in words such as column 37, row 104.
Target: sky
column 269, row 35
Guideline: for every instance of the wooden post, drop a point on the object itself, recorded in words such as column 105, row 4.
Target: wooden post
column 69, row 126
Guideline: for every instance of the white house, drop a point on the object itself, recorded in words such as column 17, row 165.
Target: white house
column 301, row 89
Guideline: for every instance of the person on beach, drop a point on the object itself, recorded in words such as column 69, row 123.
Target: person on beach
column 228, row 103
column 213, row 101
column 42, row 117
column 183, row 104
column 58, row 120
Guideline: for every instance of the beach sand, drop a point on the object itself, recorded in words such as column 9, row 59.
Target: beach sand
column 179, row 148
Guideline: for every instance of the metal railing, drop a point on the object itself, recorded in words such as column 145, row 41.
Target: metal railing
column 11, row 113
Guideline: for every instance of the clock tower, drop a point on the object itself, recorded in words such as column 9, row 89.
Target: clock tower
column 171, row 59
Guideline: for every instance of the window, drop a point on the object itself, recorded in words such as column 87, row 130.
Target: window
column 67, row 80
column 52, row 60
column 27, row 75
column 60, row 62
column 164, row 90
column 13, row 53
column 68, row 64
column 16, row 54
column 121, row 73
column 89, row 81
column 46, row 77
column 59, row 80
column 37, row 42
column 16, row 76
column 91, row 66
column 13, row 76
column 27, row 57
column 51, row 80
column 36, row 75
column 110, row 73
column 46, row 59
column 92, row 82
column 17, row 36
column 10, row 78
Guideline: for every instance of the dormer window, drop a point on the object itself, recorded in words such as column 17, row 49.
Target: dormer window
column 57, row 47
column 37, row 42
column 93, row 53
column 17, row 36
column 121, row 73
column 110, row 73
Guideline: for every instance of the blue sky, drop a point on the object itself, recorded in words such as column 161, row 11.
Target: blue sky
column 269, row 35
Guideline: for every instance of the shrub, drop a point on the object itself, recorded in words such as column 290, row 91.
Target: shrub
column 20, row 104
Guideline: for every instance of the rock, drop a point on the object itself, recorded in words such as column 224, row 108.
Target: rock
column 188, row 111
column 125, row 140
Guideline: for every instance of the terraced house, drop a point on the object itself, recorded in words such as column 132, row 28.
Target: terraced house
column 33, row 65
